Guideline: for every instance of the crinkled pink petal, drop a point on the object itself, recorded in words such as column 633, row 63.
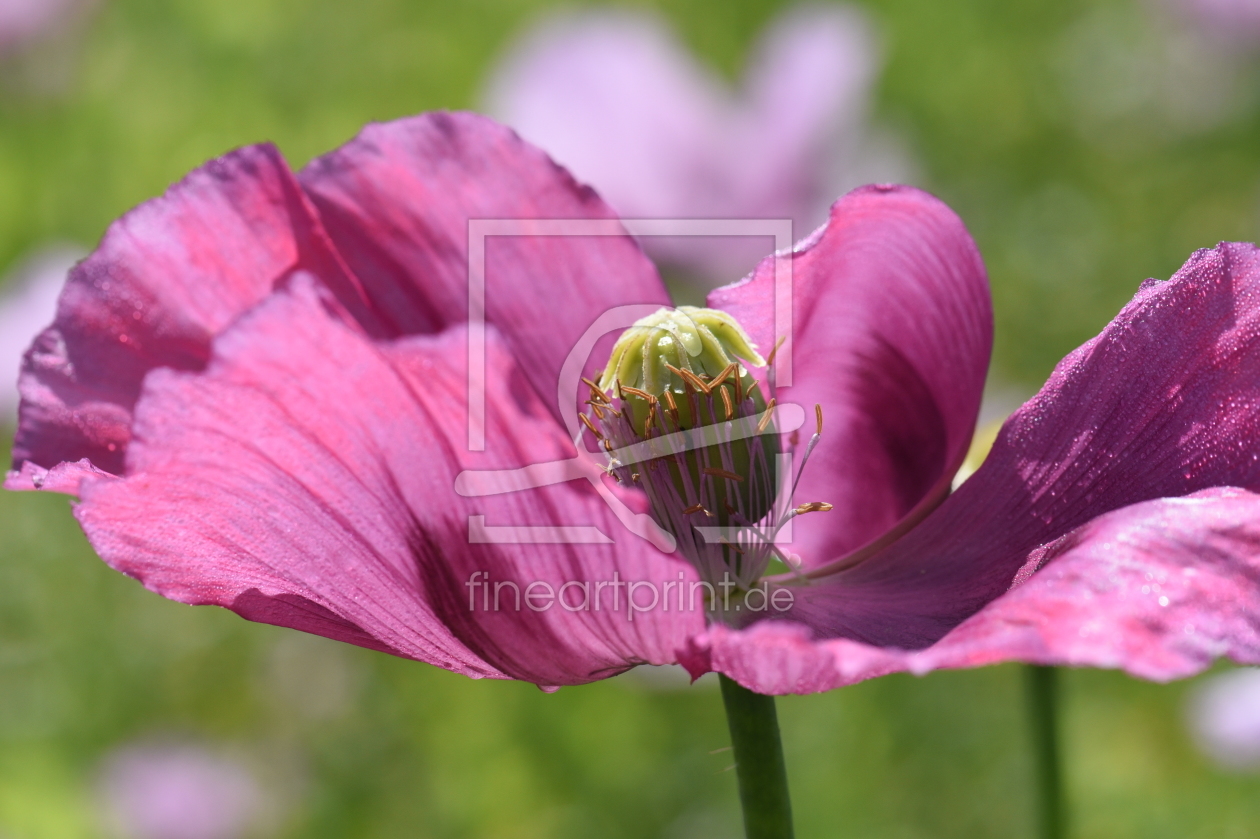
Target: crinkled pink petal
column 1163, row 403
column 1158, row 589
column 306, row 479
column 166, row 278
column 891, row 332
column 399, row 199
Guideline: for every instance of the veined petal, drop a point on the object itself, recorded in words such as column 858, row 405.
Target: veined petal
column 402, row 201
column 166, row 278
column 1163, row 403
column 891, row 332
column 306, row 479
column 1158, row 589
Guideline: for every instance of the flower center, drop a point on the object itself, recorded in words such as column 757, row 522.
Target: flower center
column 682, row 417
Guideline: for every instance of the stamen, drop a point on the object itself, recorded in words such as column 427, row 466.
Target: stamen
column 642, row 394
column 690, row 378
column 587, row 422
column 726, row 402
column 596, row 393
column 722, row 473
column 671, row 406
column 766, row 417
column 695, row 508
column 595, row 406
column 809, row 448
column 814, row 507
column 773, row 352
column 647, row 422
column 721, row 377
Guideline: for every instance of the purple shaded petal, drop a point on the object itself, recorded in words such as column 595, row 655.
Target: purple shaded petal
column 892, row 329
column 306, row 479
column 1159, row 590
column 1163, row 403
column 166, row 278
column 398, row 200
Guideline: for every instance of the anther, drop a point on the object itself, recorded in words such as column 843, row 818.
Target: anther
column 671, row 406
column 722, row 377
column 722, row 473
column 766, row 417
column 690, row 378
column 642, row 394
column 587, row 422
column 814, row 507
column 596, row 394
column 774, row 352
column 651, row 416
column 695, row 508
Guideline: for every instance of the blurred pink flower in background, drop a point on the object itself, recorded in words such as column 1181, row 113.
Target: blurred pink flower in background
column 1236, row 21
column 1224, row 717
column 620, row 102
column 28, row 302
column 177, row 791
column 25, row 22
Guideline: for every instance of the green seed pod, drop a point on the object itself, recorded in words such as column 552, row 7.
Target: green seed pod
column 678, row 374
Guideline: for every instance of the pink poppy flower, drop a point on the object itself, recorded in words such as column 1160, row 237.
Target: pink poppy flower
column 258, row 386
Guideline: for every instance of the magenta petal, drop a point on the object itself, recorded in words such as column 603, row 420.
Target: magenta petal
column 166, row 278
column 398, row 201
column 306, row 478
column 892, row 329
column 1163, row 403
column 1159, row 589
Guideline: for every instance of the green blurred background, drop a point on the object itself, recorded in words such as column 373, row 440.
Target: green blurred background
column 1047, row 125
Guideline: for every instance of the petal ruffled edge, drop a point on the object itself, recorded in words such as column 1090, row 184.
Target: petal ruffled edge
column 1160, row 590
column 166, row 278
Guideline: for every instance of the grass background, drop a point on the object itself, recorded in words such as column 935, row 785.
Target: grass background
column 1045, row 124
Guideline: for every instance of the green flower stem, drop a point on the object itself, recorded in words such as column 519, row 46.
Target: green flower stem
column 763, row 788
column 1043, row 718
